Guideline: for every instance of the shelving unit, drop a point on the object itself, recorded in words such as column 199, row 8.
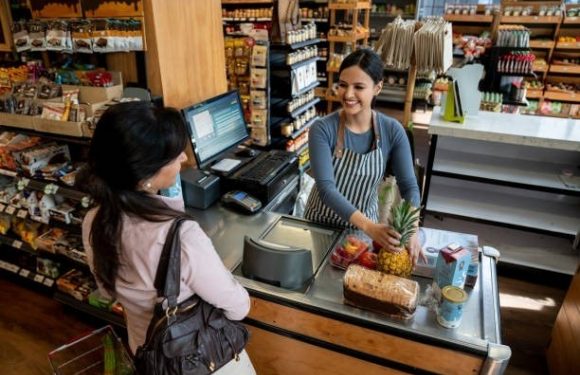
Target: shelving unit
column 510, row 176
column 317, row 11
column 348, row 10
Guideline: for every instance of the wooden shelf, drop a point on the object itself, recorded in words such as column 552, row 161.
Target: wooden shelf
column 247, row 1
column 475, row 18
column 542, row 44
column 531, row 19
column 566, row 69
column 347, row 39
column 562, row 45
column 571, row 20
column 540, row 68
column 350, row 6
column 563, row 96
column 505, row 205
column 534, row 94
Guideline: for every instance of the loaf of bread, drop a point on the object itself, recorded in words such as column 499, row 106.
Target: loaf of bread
column 380, row 292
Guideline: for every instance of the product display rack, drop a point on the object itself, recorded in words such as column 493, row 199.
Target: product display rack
column 383, row 12
column 317, row 11
column 353, row 10
column 289, row 126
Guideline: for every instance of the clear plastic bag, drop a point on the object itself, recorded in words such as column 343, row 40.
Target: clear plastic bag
column 389, row 196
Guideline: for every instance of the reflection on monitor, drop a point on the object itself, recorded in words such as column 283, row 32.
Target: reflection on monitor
column 216, row 125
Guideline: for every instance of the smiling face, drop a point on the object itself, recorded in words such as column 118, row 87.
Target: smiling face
column 356, row 90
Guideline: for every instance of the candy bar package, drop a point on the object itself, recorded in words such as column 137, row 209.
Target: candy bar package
column 20, row 36
column 33, row 159
column 81, row 36
column 37, row 34
column 47, row 240
column 76, row 283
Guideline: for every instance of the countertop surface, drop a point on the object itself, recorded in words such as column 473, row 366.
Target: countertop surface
column 480, row 325
column 539, row 131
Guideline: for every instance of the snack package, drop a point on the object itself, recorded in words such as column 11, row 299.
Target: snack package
column 47, row 267
column 58, row 36
column 81, row 36
column 5, row 223
column 76, row 283
column 33, row 159
column 20, row 36
column 37, row 34
column 48, row 239
column 12, row 146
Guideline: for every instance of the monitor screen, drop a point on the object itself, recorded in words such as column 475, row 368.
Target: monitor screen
column 215, row 125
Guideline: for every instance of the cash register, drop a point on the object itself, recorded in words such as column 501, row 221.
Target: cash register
column 217, row 129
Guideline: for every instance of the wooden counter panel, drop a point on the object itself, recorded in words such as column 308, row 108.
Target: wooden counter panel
column 273, row 354
column 562, row 354
column 404, row 351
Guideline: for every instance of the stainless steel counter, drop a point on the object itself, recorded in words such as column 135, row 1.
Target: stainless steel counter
column 479, row 332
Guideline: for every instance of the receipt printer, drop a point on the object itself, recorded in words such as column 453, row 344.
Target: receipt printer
column 200, row 189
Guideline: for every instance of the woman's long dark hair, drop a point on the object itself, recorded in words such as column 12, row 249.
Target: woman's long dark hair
column 131, row 143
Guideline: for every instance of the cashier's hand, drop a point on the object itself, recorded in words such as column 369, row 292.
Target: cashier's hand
column 415, row 249
column 385, row 236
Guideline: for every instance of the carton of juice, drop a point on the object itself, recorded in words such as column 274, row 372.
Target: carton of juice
column 452, row 265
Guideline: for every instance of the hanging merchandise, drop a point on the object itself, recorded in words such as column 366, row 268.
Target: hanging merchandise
column 434, row 46
column 395, row 42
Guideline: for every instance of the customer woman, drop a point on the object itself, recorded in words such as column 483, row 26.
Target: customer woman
column 137, row 150
column 349, row 150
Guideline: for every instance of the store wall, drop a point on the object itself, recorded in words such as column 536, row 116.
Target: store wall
column 185, row 59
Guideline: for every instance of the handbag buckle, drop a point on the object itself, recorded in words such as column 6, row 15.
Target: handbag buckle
column 170, row 311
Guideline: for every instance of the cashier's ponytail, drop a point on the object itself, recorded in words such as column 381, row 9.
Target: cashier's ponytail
column 131, row 143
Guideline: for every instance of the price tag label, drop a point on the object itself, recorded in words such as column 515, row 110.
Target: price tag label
column 38, row 278
column 50, row 189
column 22, row 183
column 24, row 272
column 10, row 210
column 22, row 214
column 17, row 244
column 48, row 282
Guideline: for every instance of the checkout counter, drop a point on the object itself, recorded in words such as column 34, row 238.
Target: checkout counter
column 310, row 330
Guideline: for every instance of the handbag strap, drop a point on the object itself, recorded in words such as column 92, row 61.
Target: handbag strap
column 167, row 278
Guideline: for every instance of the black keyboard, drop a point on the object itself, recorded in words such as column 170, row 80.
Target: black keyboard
column 265, row 166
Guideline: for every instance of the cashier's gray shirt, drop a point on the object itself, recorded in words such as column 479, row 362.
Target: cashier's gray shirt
column 394, row 146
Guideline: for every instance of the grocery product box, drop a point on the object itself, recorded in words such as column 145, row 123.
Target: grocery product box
column 90, row 94
column 452, row 264
column 17, row 121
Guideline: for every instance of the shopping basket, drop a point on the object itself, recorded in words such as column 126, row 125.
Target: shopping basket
column 99, row 353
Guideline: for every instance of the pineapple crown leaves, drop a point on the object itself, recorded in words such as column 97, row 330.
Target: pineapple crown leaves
column 403, row 219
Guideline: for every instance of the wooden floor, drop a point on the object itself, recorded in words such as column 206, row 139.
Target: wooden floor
column 32, row 324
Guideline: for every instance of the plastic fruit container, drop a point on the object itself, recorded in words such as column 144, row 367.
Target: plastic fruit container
column 347, row 252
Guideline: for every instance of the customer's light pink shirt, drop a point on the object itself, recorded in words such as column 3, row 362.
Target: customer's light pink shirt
column 202, row 271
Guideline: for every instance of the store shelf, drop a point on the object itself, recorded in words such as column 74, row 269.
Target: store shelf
column 562, row 96
column 526, row 173
column 534, row 93
column 499, row 204
column 304, row 128
column 300, row 110
column 247, row 19
column 475, row 18
column 568, row 46
column 17, row 244
column 540, row 68
column 47, row 187
column 45, row 282
column 513, row 102
column 390, row 16
column 565, row 69
column 542, row 44
column 107, row 316
column 517, row 74
column 571, row 20
column 350, row 6
column 235, row 2
column 303, row 62
column 320, row 20
column 306, row 89
column 348, row 39
column 531, row 19
column 304, row 43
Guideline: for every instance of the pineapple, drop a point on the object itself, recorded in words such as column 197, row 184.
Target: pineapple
column 403, row 219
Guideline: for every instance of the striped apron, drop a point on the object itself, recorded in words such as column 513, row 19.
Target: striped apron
column 357, row 178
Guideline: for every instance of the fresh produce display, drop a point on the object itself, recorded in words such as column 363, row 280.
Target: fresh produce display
column 569, row 39
column 534, row 85
column 404, row 219
column 563, row 87
column 347, row 252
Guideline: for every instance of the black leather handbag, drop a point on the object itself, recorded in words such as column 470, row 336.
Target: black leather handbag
column 189, row 338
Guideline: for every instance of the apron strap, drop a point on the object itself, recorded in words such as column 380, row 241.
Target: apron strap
column 339, row 148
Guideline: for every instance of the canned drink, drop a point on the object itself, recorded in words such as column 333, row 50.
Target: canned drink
column 452, row 300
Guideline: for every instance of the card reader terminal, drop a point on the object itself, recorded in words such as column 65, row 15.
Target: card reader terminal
column 242, row 201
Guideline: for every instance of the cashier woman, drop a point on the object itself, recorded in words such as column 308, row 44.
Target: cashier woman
column 349, row 151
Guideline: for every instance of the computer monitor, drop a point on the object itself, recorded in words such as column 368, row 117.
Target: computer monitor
column 216, row 125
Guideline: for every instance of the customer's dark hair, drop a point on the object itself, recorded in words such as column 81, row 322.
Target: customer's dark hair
column 368, row 61
column 131, row 143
